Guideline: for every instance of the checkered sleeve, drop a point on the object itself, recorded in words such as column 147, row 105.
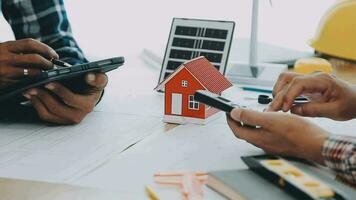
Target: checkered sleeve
column 339, row 153
column 45, row 21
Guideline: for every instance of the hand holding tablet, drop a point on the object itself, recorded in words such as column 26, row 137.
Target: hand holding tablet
column 58, row 74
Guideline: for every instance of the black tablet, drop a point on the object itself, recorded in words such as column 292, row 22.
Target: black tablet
column 59, row 74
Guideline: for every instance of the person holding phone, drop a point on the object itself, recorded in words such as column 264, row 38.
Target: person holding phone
column 43, row 33
column 289, row 134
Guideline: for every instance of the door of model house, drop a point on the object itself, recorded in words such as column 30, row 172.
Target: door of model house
column 176, row 104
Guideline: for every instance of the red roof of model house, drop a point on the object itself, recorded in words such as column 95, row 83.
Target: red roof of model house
column 204, row 72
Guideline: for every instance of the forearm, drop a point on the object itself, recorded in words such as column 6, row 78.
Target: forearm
column 339, row 154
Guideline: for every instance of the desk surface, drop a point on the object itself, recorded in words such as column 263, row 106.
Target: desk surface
column 186, row 147
column 131, row 103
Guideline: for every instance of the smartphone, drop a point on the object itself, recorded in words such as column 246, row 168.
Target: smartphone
column 59, row 74
column 214, row 100
column 218, row 102
column 226, row 105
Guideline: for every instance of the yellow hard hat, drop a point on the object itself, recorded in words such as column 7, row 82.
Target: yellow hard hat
column 336, row 35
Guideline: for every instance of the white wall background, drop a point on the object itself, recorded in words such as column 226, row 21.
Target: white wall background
column 112, row 27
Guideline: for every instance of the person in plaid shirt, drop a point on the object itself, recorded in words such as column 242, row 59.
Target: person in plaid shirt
column 289, row 134
column 42, row 33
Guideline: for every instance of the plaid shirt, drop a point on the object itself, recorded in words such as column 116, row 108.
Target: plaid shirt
column 339, row 154
column 45, row 21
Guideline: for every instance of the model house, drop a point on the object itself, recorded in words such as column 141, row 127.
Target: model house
column 180, row 86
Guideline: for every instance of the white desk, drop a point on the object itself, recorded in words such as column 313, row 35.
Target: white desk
column 187, row 147
column 131, row 111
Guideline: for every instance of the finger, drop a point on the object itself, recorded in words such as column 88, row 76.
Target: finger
column 43, row 113
column 31, row 46
column 253, row 136
column 53, row 105
column 4, row 82
column 314, row 109
column 99, row 81
column 253, row 118
column 16, row 72
column 234, row 125
column 277, row 101
column 67, row 96
column 30, row 60
column 283, row 80
column 301, row 85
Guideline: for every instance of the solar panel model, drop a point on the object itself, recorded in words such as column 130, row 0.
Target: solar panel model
column 191, row 38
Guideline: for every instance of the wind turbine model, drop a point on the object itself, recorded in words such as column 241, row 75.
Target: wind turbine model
column 253, row 69
column 254, row 40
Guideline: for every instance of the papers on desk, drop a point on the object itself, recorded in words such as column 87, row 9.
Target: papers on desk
column 129, row 111
column 187, row 147
column 130, row 91
column 64, row 153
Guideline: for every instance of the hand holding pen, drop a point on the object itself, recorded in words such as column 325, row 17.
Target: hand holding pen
column 23, row 58
column 328, row 96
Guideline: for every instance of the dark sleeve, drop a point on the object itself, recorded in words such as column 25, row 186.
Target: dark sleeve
column 45, row 21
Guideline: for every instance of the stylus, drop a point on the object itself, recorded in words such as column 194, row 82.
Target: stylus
column 60, row 63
